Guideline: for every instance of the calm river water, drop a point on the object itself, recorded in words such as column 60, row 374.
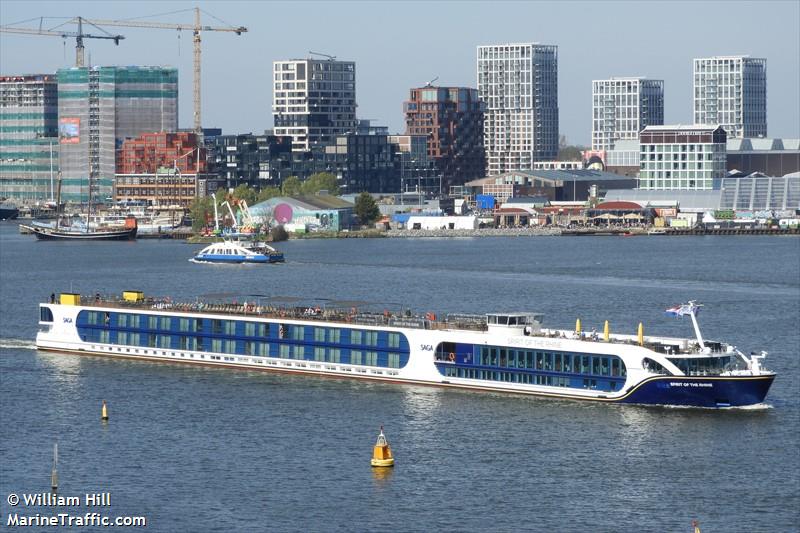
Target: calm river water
column 197, row 449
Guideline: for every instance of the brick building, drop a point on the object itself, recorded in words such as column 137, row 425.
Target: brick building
column 151, row 151
column 452, row 120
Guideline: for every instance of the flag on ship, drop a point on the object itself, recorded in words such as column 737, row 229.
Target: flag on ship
column 682, row 310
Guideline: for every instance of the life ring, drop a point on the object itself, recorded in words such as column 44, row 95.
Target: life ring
column 452, row 357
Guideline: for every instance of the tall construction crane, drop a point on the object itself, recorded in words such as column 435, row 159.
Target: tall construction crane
column 196, row 29
column 79, row 36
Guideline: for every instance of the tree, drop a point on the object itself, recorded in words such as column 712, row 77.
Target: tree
column 201, row 210
column 366, row 209
column 570, row 153
column 321, row 181
column 266, row 193
column 291, row 186
column 243, row 192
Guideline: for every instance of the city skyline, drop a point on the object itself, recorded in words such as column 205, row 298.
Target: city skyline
column 237, row 84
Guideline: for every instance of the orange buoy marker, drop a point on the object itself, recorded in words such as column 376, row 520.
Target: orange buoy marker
column 382, row 453
column 104, row 412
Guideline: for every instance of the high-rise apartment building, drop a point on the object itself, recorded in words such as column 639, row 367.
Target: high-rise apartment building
column 687, row 158
column 28, row 141
column 451, row 118
column 622, row 107
column 518, row 83
column 99, row 107
column 731, row 91
column 313, row 100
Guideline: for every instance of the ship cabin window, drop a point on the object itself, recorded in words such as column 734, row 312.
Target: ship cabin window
column 693, row 366
column 653, row 366
column 334, row 335
column 355, row 337
column 444, row 350
column 319, row 334
column 45, row 314
column 394, row 340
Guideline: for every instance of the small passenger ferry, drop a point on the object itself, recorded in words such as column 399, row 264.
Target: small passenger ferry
column 503, row 352
column 237, row 252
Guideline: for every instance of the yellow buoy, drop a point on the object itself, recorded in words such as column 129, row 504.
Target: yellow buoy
column 605, row 331
column 641, row 334
column 696, row 526
column 578, row 326
column 104, row 412
column 382, row 453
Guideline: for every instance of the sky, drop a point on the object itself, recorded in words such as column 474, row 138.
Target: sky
column 400, row 45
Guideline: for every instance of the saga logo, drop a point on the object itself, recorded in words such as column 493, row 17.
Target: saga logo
column 426, row 347
column 67, row 320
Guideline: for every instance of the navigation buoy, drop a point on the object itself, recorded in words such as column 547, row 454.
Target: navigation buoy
column 641, row 334
column 605, row 331
column 104, row 412
column 696, row 526
column 578, row 326
column 382, row 453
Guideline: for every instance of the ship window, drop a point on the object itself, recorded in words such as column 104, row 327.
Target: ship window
column 371, row 358
column 152, row 322
column 249, row 348
column 334, row 335
column 122, row 337
column 355, row 337
column 502, row 357
column 585, row 364
column 134, row 321
column 596, row 365
column 297, row 332
column 45, row 314
column 104, row 336
column 151, row 340
column 250, row 329
column 164, row 341
column 183, row 324
column 493, row 356
column 528, row 359
column 216, row 345
column 122, row 320
column 371, row 338
column 319, row 353
column 263, row 349
column 284, row 351
column 334, row 355
column 230, row 346
column 394, row 340
column 394, row 360
column 229, row 327
column 166, row 323
column 356, row 357
column 298, row 352
column 319, row 334
column 567, row 361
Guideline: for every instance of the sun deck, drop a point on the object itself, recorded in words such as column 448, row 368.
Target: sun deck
column 365, row 314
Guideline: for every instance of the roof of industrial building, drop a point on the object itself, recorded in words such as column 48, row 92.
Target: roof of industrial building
column 687, row 200
column 562, row 175
column 308, row 203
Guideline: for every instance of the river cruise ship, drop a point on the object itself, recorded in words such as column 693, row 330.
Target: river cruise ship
column 502, row 352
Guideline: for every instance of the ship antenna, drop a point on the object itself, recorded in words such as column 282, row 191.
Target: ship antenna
column 693, row 307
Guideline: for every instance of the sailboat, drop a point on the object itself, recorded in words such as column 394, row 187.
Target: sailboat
column 67, row 229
